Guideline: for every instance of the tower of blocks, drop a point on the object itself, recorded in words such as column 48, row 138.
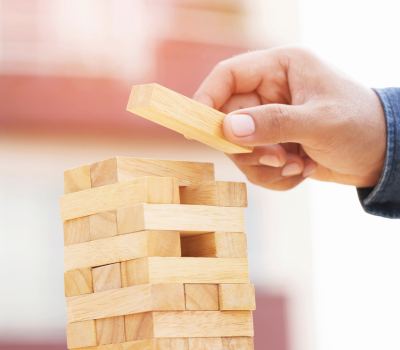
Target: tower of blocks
column 155, row 257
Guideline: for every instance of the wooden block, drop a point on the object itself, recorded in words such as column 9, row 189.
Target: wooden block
column 139, row 326
column 205, row 344
column 103, row 225
column 77, row 179
column 106, row 277
column 123, row 301
column 215, row 245
column 238, row 343
column 76, row 231
column 146, row 344
column 78, row 282
column 122, row 194
column 81, row 334
column 217, row 193
column 188, row 219
column 182, row 114
column 201, row 297
column 237, row 297
column 184, row 270
column 122, row 248
column 110, row 330
column 119, row 169
column 171, row 344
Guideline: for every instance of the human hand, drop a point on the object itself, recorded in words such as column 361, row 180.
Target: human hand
column 304, row 117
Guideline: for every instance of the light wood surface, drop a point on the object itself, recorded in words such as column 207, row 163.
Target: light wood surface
column 147, row 344
column 205, row 344
column 139, row 326
column 103, row 225
column 81, row 334
column 77, row 179
column 106, row 277
column 78, row 282
column 171, row 344
column 217, row 193
column 110, row 330
column 184, row 270
column 237, row 297
column 76, row 231
column 188, row 219
column 238, row 343
column 122, row 248
column 215, row 245
column 201, row 297
column 182, row 114
column 122, row 194
column 123, row 301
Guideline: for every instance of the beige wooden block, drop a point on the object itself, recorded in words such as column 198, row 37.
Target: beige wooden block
column 201, row 297
column 103, row 225
column 147, row 344
column 215, row 245
column 81, row 334
column 122, row 248
column 205, row 344
column 216, row 193
column 78, row 282
column 77, row 179
column 124, row 301
column 96, row 200
column 110, row 330
column 238, row 343
column 182, row 114
column 237, row 297
column 139, row 326
column 76, row 231
column 188, row 219
column 119, row 169
column 184, row 270
column 106, row 277
column 171, row 344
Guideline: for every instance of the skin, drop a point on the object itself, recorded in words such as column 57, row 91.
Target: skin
column 310, row 119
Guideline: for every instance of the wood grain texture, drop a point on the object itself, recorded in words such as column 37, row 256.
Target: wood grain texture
column 171, row 344
column 78, row 282
column 119, row 169
column 122, row 194
column 237, row 297
column 184, row 270
column 147, row 344
column 201, row 297
column 123, row 301
column 103, row 225
column 182, row 114
column 188, row 219
column 216, row 193
column 122, row 248
column 237, row 343
column 77, row 179
column 205, row 344
column 76, row 231
column 106, row 277
column 110, row 330
column 81, row 334
column 215, row 245
column 139, row 326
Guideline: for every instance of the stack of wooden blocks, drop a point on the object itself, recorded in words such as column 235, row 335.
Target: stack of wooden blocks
column 155, row 257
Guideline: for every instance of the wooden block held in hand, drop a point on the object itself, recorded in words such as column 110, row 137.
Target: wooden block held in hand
column 106, row 277
column 215, row 245
column 205, row 344
column 216, row 193
column 78, row 282
column 237, row 297
column 182, row 114
column 110, row 330
column 238, row 343
column 77, row 179
column 201, row 297
column 76, row 231
column 81, row 334
column 103, row 225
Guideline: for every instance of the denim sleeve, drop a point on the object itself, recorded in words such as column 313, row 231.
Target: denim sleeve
column 384, row 198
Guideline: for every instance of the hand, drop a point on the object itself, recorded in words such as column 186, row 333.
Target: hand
column 304, row 117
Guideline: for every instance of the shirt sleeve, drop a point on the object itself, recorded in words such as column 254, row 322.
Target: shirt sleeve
column 384, row 198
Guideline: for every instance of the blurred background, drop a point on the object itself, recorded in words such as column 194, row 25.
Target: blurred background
column 326, row 274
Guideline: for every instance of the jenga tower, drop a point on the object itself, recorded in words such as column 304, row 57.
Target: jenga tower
column 155, row 257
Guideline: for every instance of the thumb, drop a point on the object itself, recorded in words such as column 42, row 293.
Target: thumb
column 270, row 124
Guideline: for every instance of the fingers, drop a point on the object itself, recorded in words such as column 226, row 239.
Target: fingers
column 273, row 156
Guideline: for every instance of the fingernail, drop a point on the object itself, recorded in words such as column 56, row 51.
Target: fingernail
column 309, row 169
column 291, row 169
column 270, row 160
column 242, row 125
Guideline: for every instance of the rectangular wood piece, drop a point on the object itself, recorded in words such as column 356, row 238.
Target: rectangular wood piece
column 81, row 334
column 110, row 330
column 77, row 179
column 182, row 114
column 103, row 225
column 78, row 282
column 201, row 297
column 205, row 344
column 147, row 344
column 106, row 277
column 237, row 297
column 76, row 231
column 237, row 343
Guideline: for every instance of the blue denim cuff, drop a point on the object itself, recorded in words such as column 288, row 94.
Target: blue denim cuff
column 384, row 198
